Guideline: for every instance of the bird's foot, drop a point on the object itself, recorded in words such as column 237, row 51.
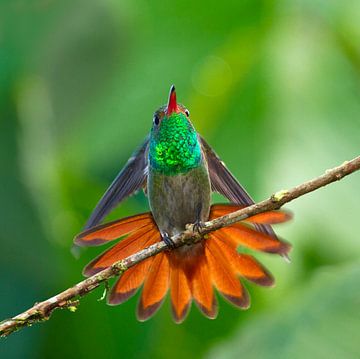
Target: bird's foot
column 167, row 239
column 198, row 226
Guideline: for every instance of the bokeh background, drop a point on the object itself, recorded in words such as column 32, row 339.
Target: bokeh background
column 272, row 85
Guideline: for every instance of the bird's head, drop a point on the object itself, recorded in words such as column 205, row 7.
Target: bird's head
column 174, row 143
column 171, row 110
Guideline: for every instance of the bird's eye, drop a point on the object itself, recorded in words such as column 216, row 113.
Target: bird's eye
column 187, row 113
column 156, row 120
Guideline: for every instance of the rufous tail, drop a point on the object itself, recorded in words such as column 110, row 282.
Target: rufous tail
column 190, row 272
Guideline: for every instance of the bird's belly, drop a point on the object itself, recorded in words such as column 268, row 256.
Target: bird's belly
column 179, row 200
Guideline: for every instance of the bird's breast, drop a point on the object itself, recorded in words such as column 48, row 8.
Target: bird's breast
column 179, row 200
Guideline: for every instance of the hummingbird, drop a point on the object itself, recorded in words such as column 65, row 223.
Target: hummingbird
column 178, row 170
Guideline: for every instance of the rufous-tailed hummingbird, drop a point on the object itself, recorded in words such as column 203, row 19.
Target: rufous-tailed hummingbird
column 178, row 170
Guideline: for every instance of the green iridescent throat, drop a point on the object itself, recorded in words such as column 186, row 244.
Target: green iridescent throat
column 174, row 146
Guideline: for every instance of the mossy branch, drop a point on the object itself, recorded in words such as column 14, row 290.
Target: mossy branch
column 70, row 297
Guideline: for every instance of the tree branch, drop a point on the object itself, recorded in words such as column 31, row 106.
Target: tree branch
column 70, row 297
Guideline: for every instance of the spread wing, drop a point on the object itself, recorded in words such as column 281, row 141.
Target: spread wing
column 130, row 179
column 223, row 182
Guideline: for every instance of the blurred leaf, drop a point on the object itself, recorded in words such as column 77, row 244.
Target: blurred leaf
column 320, row 321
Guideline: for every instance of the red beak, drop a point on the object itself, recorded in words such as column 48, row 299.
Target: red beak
column 172, row 105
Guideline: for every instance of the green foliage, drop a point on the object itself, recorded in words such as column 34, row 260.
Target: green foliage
column 273, row 86
column 318, row 321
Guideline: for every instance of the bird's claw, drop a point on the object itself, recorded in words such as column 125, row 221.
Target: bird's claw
column 198, row 226
column 168, row 241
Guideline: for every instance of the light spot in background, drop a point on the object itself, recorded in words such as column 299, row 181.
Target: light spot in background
column 219, row 76
column 349, row 23
column 294, row 53
column 212, row 76
column 39, row 157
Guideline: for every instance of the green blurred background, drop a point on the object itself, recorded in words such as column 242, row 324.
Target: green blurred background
column 272, row 85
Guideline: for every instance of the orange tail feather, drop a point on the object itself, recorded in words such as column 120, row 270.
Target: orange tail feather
column 223, row 274
column 190, row 271
column 109, row 231
column 240, row 234
column 244, row 265
column 129, row 282
column 201, row 286
column 270, row 217
column 155, row 287
column 130, row 245
column 180, row 292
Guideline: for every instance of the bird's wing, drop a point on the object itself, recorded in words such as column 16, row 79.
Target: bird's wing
column 223, row 182
column 130, row 179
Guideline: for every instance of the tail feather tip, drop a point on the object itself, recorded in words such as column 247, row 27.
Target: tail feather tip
column 145, row 313
column 210, row 313
column 265, row 281
column 116, row 298
column 242, row 302
column 180, row 317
